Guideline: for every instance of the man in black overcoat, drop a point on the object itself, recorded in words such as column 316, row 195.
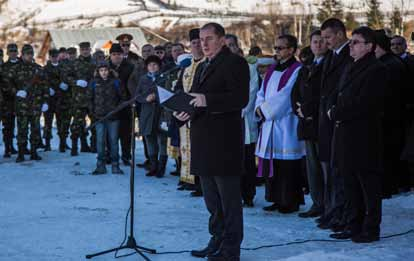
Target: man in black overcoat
column 221, row 91
column 334, row 33
column 358, row 139
column 395, row 170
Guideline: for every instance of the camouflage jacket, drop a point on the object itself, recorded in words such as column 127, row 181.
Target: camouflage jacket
column 8, row 74
column 30, row 78
column 80, row 69
column 52, row 74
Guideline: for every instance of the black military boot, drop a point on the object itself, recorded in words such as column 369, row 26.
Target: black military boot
column 7, row 151
column 161, row 166
column 153, row 167
column 74, row 150
column 20, row 155
column 84, row 145
column 62, row 145
column 34, row 155
column 47, row 145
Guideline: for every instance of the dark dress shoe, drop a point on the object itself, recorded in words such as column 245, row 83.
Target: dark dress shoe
column 273, row 207
column 151, row 173
column 310, row 213
column 196, row 193
column 365, row 238
column 288, row 210
column 342, row 235
column 146, row 164
column 210, row 249
column 175, row 173
column 223, row 256
column 338, row 228
column 181, row 188
column 324, row 225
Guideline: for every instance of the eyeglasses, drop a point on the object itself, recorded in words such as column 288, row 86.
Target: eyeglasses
column 280, row 48
column 126, row 44
column 159, row 52
column 355, row 42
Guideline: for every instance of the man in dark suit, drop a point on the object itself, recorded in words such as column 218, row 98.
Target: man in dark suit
column 357, row 142
column 395, row 170
column 221, row 91
column 305, row 103
column 334, row 33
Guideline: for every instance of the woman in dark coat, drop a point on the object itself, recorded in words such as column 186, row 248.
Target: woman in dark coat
column 152, row 121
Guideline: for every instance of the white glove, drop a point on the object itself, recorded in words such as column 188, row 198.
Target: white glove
column 63, row 86
column 82, row 83
column 45, row 107
column 21, row 94
column 51, row 92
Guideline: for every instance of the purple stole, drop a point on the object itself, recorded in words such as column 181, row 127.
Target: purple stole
column 282, row 83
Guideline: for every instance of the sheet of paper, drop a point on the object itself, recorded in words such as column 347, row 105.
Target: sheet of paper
column 163, row 94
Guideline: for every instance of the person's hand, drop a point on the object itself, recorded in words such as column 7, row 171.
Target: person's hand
column 45, row 107
column 299, row 110
column 151, row 97
column 51, row 92
column 182, row 116
column 329, row 114
column 21, row 94
column 199, row 100
column 63, row 86
column 259, row 113
column 82, row 83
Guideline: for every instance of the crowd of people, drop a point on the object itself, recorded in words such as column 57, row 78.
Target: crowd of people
column 333, row 119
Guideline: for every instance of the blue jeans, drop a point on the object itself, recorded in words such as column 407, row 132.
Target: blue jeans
column 108, row 129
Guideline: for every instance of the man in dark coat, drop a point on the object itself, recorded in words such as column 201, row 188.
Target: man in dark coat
column 221, row 91
column 395, row 171
column 123, row 70
column 334, row 33
column 357, row 142
column 305, row 103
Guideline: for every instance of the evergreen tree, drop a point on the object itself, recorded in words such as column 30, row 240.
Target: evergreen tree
column 350, row 22
column 328, row 9
column 375, row 18
column 396, row 21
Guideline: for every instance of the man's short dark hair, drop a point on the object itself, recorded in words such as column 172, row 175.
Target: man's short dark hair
column 147, row 45
column 367, row 33
column 218, row 29
column 178, row 44
column 255, row 51
column 233, row 37
column 292, row 41
column 315, row 33
column 335, row 24
column 399, row 37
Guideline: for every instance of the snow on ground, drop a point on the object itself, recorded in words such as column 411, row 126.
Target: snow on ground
column 55, row 210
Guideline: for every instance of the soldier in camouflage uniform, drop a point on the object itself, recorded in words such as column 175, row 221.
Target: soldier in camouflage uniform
column 8, row 106
column 52, row 73
column 32, row 95
column 72, row 53
column 78, row 75
column 63, row 101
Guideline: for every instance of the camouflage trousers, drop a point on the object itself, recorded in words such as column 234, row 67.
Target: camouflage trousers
column 8, row 118
column 23, row 122
column 48, row 116
column 77, row 128
column 63, row 117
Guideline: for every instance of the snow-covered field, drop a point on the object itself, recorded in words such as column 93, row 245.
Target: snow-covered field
column 55, row 210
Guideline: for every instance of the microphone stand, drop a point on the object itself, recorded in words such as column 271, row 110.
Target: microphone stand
column 131, row 242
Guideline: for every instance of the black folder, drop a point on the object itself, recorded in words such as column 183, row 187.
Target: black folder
column 179, row 102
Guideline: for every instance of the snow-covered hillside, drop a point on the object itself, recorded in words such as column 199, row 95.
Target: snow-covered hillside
column 153, row 13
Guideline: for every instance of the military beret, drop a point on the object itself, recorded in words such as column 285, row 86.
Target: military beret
column 62, row 50
column 124, row 38
column 12, row 47
column 27, row 48
column 116, row 48
column 153, row 59
column 85, row 45
column 71, row 50
column 194, row 34
column 53, row 52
